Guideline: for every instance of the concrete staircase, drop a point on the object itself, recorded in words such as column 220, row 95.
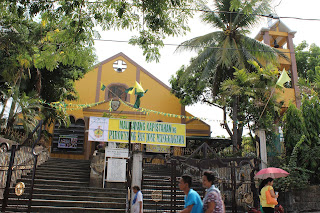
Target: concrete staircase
column 62, row 185
column 157, row 177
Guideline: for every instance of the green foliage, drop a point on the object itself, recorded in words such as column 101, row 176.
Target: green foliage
column 293, row 128
column 153, row 19
column 307, row 60
column 30, row 109
column 304, row 122
column 45, row 46
column 187, row 89
column 248, row 147
column 299, row 177
column 245, row 5
column 310, row 158
column 255, row 90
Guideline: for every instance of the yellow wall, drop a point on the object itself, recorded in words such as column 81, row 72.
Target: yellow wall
column 157, row 98
column 286, row 95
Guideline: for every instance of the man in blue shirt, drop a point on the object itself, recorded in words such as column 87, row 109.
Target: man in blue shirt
column 192, row 200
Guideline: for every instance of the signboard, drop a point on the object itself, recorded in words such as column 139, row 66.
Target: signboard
column 116, row 153
column 116, row 171
column 157, row 149
column 68, row 141
column 98, row 129
column 145, row 132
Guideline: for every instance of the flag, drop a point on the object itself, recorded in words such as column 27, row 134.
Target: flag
column 139, row 92
column 130, row 90
column 139, row 88
column 103, row 87
column 283, row 78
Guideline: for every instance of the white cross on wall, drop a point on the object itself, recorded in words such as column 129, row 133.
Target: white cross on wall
column 119, row 64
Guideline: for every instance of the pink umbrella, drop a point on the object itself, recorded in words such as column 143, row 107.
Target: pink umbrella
column 271, row 172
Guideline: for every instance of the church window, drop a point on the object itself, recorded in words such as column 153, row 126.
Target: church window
column 117, row 91
column 119, row 66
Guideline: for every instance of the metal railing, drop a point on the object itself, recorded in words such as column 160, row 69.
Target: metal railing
column 11, row 167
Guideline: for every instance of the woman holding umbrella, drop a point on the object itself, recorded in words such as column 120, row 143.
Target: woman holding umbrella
column 268, row 174
column 266, row 185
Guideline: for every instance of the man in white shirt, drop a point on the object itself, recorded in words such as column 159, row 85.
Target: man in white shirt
column 137, row 203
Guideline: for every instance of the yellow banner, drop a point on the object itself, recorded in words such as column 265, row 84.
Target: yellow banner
column 146, row 132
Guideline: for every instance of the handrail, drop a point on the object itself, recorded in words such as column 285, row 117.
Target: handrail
column 11, row 164
column 32, row 133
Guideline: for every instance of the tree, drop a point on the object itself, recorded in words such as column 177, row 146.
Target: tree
column 293, row 128
column 154, row 20
column 310, row 157
column 258, row 107
column 220, row 52
column 308, row 61
column 47, row 45
column 304, row 122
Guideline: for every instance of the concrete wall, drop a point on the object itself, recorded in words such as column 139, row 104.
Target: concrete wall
column 305, row 200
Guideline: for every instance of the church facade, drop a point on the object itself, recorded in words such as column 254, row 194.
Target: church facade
column 103, row 91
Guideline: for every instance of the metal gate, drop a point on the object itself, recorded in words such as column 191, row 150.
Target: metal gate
column 19, row 161
column 235, row 177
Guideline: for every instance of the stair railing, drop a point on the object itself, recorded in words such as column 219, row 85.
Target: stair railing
column 11, row 163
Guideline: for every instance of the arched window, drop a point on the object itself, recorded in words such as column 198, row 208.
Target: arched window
column 117, row 91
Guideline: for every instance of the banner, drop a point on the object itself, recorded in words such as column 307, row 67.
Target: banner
column 145, row 132
column 98, row 129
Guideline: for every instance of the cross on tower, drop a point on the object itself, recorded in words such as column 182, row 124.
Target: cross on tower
column 119, row 66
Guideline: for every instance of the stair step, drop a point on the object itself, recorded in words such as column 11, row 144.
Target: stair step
column 61, row 172
column 67, row 203
column 76, row 191
column 65, row 209
column 61, row 177
column 65, row 165
column 67, row 160
column 52, row 174
column 62, row 185
column 58, row 182
column 107, row 198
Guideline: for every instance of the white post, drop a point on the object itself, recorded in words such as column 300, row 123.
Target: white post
column 263, row 148
column 136, row 173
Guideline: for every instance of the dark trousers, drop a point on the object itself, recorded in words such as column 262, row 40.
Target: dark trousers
column 268, row 209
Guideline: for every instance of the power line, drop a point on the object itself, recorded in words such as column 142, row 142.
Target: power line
column 184, row 45
column 218, row 48
column 214, row 11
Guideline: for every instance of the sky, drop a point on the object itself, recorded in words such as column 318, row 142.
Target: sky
column 171, row 61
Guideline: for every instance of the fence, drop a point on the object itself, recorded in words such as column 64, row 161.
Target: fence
column 20, row 161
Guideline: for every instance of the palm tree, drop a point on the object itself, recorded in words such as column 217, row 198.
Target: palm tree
column 220, row 52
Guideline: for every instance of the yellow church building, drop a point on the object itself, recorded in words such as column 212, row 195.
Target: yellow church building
column 102, row 91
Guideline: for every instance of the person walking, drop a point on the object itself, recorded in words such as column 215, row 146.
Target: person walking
column 212, row 202
column 266, row 185
column 192, row 200
column 137, row 203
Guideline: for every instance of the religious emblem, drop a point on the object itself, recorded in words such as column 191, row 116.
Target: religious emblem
column 115, row 105
column 19, row 189
column 98, row 132
column 156, row 195
column 119, row 66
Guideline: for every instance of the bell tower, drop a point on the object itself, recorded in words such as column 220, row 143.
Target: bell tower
column 279, row 36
